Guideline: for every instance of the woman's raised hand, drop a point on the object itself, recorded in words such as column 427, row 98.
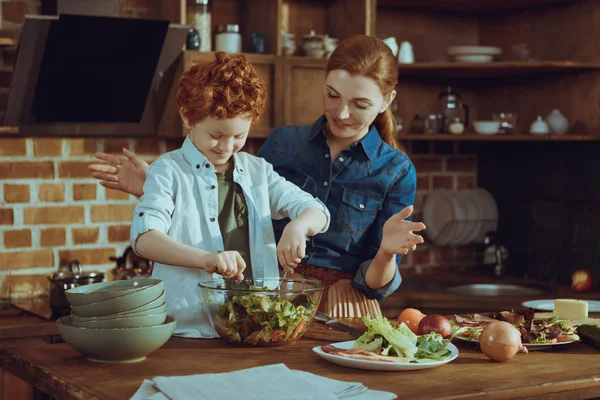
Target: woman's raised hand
column 124, row 174
column 398, row 236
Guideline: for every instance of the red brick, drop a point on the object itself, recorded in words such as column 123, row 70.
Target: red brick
column 423, row 182
column 7, row 216
column 22, row 170
column 87, row 256
column 444, row 255
column 85, row 235
column 147, row 146
column 53, row 237
column 74, row 169
column 16, row 193
column 84, row 191
column 427, row 164
column 17, row 238
column 54, row 215
column 47, row 147
column 27, row 259
column 443, row 182
column 468, row 164
column 115, row 146
column 118, row 233
column 421, row 256
column 28, row 285
column 111, row 194
column 81, row 147
column 13, row 147
column 465, row 182
column 113, row 212
column 126, row 14
column 14, row 11
column 53, row 192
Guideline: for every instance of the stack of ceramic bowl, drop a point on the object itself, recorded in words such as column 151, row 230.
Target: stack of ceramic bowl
column 118, row 321
column 473, row 54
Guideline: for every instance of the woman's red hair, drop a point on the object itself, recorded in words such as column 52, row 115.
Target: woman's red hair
column 227, row 87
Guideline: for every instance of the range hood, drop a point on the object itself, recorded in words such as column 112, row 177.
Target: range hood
column 78, row 75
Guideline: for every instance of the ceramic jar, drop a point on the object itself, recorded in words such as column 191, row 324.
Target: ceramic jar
column 557, row 122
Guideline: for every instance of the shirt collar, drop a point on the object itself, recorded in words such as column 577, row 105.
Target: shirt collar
column 370, row 143
column 200, row 163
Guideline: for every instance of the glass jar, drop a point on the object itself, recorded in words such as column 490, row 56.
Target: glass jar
column 228, row 38
column 198, row 17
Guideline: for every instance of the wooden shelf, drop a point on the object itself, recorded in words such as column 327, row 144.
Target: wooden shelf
column 5, row 42
column 521, row 137
column 498, row 69
column 469, row 5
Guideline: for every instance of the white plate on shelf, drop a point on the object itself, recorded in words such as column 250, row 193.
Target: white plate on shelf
column 548, row 305
column 473, row 50
column 381, row 365
column 438, row 214
column 473, row 58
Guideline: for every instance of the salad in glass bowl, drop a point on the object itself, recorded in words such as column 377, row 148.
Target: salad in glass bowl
column 261, row 312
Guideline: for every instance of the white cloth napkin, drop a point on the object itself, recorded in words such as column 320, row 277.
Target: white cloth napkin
column 269, row 382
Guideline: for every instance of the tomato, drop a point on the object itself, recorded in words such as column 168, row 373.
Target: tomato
column 411, row 317
column 581, row 281
column 278, row 335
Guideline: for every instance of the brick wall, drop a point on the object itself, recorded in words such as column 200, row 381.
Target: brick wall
column 52, row 211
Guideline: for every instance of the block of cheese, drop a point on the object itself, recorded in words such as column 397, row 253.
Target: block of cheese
column 570, row 309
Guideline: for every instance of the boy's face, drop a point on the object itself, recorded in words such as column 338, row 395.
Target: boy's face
column 219, row 139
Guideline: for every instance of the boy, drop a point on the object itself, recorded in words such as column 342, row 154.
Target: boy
column 207, row 208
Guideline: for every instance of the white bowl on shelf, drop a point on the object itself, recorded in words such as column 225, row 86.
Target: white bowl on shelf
column 486, row 127
column 473, row 58
column 473, row 50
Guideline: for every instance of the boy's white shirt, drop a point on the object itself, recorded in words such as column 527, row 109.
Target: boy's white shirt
column 179, row 200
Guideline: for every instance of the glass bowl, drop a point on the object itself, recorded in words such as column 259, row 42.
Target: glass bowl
column 261, row 312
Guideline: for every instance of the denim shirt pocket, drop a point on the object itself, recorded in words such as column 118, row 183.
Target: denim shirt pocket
column 358, row 210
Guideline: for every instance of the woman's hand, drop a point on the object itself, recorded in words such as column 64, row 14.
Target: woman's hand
column 398, row 236
column 292, row 245
column 228, row 264
column 124, row 174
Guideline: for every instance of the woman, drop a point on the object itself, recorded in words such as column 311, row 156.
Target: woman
column 350, row 159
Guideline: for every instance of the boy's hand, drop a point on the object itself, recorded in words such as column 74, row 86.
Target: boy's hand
column 228, row 264
column 124, row 174
column 398, row 236
column 292, row 245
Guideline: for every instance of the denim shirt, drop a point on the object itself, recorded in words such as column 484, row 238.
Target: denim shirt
column 364, row 186
column 181, row 200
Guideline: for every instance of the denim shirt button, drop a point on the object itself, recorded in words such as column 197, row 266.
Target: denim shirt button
column 341, row 159
column 362, row 206
column 327, row 155
column 325, row 183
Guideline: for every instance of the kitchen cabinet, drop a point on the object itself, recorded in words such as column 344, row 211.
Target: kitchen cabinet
column 562, row 36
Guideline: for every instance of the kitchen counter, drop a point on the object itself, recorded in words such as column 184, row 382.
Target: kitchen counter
column 26, row 326
column 569, row 372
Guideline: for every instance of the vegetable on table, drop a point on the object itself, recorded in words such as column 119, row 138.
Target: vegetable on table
column 500, row 341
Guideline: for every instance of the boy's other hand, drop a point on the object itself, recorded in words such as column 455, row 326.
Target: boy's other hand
column 124, row 174
column 292, row 245
column 228, row 264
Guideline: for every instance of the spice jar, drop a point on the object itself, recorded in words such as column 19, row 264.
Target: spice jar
column 198, row 17
column 456, row 127
column 228, row 38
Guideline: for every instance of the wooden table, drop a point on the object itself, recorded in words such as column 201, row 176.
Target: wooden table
column 571, row 371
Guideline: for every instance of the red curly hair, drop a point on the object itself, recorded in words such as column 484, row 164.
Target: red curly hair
column 224, row 88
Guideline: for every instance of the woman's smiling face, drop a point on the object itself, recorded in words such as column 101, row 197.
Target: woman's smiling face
column 352, row 102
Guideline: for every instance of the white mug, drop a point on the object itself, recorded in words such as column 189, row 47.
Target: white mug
column 406, row 55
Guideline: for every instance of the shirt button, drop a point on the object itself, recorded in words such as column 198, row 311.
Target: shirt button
column 212, row 219
column 141, row 214
column 197, row 165
column 326, row 155
column 207, row 165
column 362, row 206
column 325, row 183
column 341, row 159
column 241, row 170
column 212, row 186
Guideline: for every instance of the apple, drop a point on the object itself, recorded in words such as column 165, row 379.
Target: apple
column 581, row 281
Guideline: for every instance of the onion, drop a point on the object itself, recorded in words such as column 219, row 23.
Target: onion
column 435, row 323
column 500, row 341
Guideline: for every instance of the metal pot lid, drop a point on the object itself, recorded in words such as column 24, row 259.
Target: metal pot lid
column 74, row 272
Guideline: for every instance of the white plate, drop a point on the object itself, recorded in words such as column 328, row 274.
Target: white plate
column 381, row 365
column 548, row 305
column 530, row 346
column 438, row 214
column 473, row 50
column 473, row 58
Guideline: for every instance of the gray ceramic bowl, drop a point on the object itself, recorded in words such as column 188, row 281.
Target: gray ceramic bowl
column 155, row 310
column 136, row 321
column 127, row 302
column 103, row 291
column 117, row 345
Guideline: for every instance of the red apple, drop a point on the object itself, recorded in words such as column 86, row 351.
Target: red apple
column 581, row 281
